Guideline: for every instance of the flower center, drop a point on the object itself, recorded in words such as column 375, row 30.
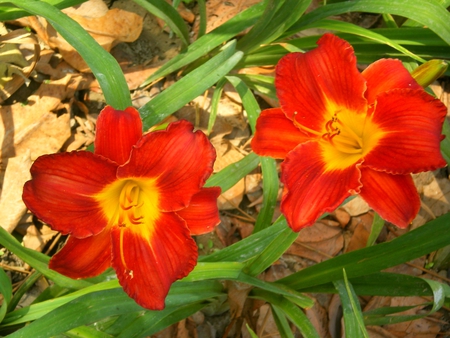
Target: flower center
column 130, row 202
column 345, row 138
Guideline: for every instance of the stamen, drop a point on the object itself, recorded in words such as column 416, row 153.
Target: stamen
column 129, row 205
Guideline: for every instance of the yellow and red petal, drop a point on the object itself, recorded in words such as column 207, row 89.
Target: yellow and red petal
column 117, row 132
column 62, row 189
column 149, row 258
column 393, row 197
column 311, row 189
column 312, row 86
column 411, row 121
column 202, row 214
column 179, row 159
column 387, row 74
column 84, row 258
column 276, row 135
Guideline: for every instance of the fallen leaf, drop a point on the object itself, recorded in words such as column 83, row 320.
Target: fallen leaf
column 37, row 239
column 219, row 11
column 12, row 207
column 107, row 28
column 318, row 242
column 33, row 126
column 357, row 206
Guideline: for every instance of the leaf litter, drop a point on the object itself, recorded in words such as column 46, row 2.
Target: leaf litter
column 60, row 113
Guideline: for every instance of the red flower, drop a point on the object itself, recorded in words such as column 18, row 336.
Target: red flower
column 342, row 132
column 133, row 204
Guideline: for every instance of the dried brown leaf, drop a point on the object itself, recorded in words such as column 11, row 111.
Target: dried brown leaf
column 12, row 207
column 33, row 126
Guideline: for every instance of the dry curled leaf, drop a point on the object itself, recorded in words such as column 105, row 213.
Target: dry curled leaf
column 12, row 207
column 108, row 28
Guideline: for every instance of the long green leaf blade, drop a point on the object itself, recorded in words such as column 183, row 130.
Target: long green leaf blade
column 427, row 12
column 210, row 41
column 189, row 87
column 411, row 245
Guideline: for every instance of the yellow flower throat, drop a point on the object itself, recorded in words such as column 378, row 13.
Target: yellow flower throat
column 130, row 202
column 345, row 138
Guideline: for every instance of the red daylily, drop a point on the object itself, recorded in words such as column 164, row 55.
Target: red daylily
column 133, row 204
column 342, row 132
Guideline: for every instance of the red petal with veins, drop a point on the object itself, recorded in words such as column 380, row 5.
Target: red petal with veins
column 202, row 214
column 117, row 132
column 317, row 83
column 311, row 190
column 393, row 197
column 149, row 258
column 178, row 158
column 83, row 258
column 61, row 189
column 412, row 122
column 276, row 135
column 386, row 74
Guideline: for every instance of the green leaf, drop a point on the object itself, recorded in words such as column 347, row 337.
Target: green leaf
column 377, row 226
column 6, row 291
column 249, row 102
column 216, row 270
column 260, row 83
column 86, row 332
column 381, row 284
column 445, row 143
column 26, row 285
column 252, row 333
column 189, row 87
column 277, row 18
column 353, row 318
column 380, row 316
column 210, row 41
column 427, row 12
column 416, row 243
column 271, row 252
column 292, row 311
column 203, row 18
column 170, row 15
column 270, row 193
column 215, row 103
column 152, row 322
column 252, row 246
column 282, row 324
column 279, row 289
column 231, row 174
column 38, row 261
column 345, row 27
column 94, row 306
column 103, row 65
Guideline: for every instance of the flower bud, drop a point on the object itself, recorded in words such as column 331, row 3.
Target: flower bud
column 428, row 72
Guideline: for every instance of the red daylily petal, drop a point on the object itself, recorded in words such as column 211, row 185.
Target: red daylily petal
column 117, row 132
column 202, row 214
column 412, row 122
column 149, row 258
column 311, row 190
column 387, row 74
column 393, row 197
column 83, row 258
column 312, row 86
column 61, row 191
column 179, row 159
column 276, row 135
